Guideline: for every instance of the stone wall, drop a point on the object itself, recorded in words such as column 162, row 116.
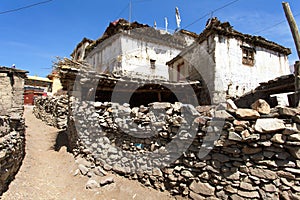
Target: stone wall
column 12, row 126
column 52, row 110
column 206, row 152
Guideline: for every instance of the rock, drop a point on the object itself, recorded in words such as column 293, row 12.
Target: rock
column 232, row 176
column 83, row 169
column 278, row 138
column 263, row 173
column 196, row 196
column 157, row 172
column 234, row 136
column 244, row 124
column 290, row 131
column 269, row 188
column 119, row 169
column 296, row 119
column 222, row 114
column 231, row 107
column 245, row 113
column 230, row 189
column 249, row 150
column 287, row 175
column 247, row 186
column 203, row 109
column 293, row 170
column 250, row 195
column 177, row 106
column 294, row 150
column 160, row 105
column 106, row 181
column 261, row 106
column 191, row 109
column 202, row 188
column 294, row 137
column 100, row 171
column 236, row 197
column 286, row 182
column 186, row 173
column 91, row 184
column 269, row 125
column 285, row 111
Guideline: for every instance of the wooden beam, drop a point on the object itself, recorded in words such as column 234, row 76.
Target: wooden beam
column 293, row 26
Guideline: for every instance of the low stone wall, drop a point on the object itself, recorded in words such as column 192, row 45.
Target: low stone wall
column 12, row 149
column 201, row 153
column 12, row 126
column 52, row 110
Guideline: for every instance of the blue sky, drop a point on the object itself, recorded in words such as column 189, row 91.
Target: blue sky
column 32, row 38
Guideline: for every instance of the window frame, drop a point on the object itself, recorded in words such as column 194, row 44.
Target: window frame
column 248, row 55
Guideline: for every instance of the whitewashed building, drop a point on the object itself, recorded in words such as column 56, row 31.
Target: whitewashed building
column 133, row 47
column 228, row 62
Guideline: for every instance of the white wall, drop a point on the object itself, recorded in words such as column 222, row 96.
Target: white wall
column 138, row 53
column 239, row 78
column 105, row 56
column 122, row 52
column 200, row 60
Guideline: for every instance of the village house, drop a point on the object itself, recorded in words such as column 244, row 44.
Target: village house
column 36, row 86
column 56, row 84
column 11, row 90
column 228, row 62
column 133, row 47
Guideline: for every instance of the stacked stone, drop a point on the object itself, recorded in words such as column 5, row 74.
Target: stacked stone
column 207, row 152
column 12, row 149
column 52, row 110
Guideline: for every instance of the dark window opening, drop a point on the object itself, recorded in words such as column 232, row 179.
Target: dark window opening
column 248, row 56
column 152, row 64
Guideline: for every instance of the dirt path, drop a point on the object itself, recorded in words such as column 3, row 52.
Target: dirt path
column 49, row 175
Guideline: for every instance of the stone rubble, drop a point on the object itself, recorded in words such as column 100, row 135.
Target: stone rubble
column 52, row 110
column 200, row 153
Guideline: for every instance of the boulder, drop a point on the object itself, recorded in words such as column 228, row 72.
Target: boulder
column 245, row 113
column 202, row 188
column 269, row 125
column 261, row 106
column 285, row 111
column 91, row 184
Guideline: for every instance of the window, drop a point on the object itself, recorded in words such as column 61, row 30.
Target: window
column 152, row 64
column 181, row 72
column 248, row 55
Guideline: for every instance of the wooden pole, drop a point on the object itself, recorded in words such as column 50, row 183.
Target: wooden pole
column 293, row 26
column 297, row 83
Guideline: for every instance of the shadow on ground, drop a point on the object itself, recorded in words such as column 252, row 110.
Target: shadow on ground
column 61, row 141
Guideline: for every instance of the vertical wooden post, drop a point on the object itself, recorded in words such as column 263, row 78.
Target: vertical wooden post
column 297, row 83
column 159, row 96
column 293, row 26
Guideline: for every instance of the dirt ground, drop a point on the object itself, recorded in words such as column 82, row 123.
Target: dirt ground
column 47, row 174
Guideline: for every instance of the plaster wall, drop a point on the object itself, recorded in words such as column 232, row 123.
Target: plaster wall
column 237, row 78
column 122, row 52
column 105, row 55
column 137, row 56
column 199, row 59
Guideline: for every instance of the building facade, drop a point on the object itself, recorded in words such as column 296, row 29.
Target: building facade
column 230, row 63
column 133, row 47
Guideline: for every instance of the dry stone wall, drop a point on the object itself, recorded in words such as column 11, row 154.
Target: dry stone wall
column 52, row 110
column 12, row 149
column 233, row 154
column 12, row 126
